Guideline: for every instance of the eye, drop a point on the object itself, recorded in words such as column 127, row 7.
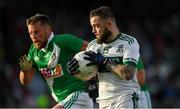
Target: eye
column 35, row 33
column 97, row 26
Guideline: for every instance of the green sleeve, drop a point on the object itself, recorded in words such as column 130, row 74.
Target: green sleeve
column 129, row 63
column 70, row 42
column 144, row 87
column 140, row 64
column 30, row 52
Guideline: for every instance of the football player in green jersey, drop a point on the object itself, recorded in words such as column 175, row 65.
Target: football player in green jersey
column 49, row 54
column 144, row 97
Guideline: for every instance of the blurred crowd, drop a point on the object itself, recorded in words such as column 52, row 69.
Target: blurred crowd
column 156, row 25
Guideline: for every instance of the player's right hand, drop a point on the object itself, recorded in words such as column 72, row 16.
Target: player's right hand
column 95, row 58
column 72, row 66
column 25, row 64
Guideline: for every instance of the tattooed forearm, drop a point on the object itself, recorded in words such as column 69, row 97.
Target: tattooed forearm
column 125, row 72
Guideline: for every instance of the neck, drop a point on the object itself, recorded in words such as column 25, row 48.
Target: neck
column 114, row 35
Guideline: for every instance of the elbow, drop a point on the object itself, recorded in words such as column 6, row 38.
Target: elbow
column 24, row 83
column 24, row 80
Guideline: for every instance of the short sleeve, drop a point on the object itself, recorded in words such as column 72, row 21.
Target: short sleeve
column 131, row 54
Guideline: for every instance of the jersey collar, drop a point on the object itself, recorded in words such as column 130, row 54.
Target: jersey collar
column 114, row 39
column 49, row 40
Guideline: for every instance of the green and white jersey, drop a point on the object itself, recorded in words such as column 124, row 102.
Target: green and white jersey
column 140, row 66
column 123, row 50
column 52, row 63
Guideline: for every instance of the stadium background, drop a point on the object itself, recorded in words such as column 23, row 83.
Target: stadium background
column 156, row 25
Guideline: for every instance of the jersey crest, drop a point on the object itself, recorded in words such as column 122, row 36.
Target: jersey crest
column 52, row 73
column 52, row 69
column 120, row 49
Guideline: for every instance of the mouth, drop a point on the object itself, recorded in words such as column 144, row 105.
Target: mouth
column 36, row 41
column 95, row 34
column 37, row 44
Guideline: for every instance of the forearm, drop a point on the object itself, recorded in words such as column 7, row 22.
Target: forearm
column 141, row 76
column 26, row 77
column 125, row 72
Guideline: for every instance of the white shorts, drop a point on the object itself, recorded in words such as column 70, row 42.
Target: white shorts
column 122, row 102
column 77, row 100
column 144, row 99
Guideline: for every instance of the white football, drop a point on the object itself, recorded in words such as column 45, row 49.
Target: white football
column 83, row 68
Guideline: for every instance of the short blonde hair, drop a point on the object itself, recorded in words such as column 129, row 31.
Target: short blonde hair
column 44, row 19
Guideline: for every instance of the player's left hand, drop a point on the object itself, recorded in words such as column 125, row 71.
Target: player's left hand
column 72, row 66
column 95, row 58
column 25, row 64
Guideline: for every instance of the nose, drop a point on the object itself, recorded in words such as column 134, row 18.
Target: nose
column 93, row 30
column 34, row 35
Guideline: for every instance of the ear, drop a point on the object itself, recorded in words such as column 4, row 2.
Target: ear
column 109, row 24
column 49, row 28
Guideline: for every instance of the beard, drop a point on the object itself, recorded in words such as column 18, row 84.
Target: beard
column 104, row 36
column 40, row 45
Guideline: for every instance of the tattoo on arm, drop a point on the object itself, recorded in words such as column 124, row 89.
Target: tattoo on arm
column 125, row 72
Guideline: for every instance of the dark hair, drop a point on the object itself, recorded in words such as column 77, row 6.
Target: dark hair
column 103, row 12
column 39, row 17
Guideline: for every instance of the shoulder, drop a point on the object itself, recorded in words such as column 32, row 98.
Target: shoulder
column 66, row 38
column 32, row 50
column 92, row 43
column 127, row 38
column 63, row 36
column 32, row 47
